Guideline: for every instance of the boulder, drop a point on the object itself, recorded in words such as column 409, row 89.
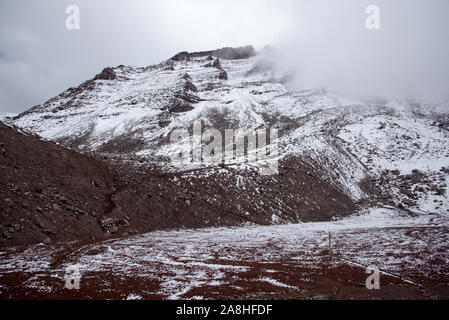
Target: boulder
column 223, row 75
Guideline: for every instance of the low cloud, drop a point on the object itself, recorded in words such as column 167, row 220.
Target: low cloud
column 329, row 46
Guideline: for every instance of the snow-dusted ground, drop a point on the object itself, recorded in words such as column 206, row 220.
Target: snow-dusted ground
column 191, row 263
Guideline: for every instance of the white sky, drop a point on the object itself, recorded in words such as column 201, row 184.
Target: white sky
column 40, row 58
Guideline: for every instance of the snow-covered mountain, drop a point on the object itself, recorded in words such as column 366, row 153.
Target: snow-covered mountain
column 387, row 151
column 372, row 173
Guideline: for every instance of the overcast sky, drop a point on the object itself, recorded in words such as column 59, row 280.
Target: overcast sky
column 326, row 40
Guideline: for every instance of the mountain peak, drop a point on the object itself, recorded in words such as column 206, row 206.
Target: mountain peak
column 226, row 53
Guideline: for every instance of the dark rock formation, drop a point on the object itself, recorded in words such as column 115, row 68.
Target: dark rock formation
column 224, row 53
column 223, row 75
column 235, row 53
column 106, row 74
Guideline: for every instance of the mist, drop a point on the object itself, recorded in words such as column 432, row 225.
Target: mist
column 325, row 43
column 329, row 46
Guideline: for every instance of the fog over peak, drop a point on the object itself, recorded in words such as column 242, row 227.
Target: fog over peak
column 408, row 57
